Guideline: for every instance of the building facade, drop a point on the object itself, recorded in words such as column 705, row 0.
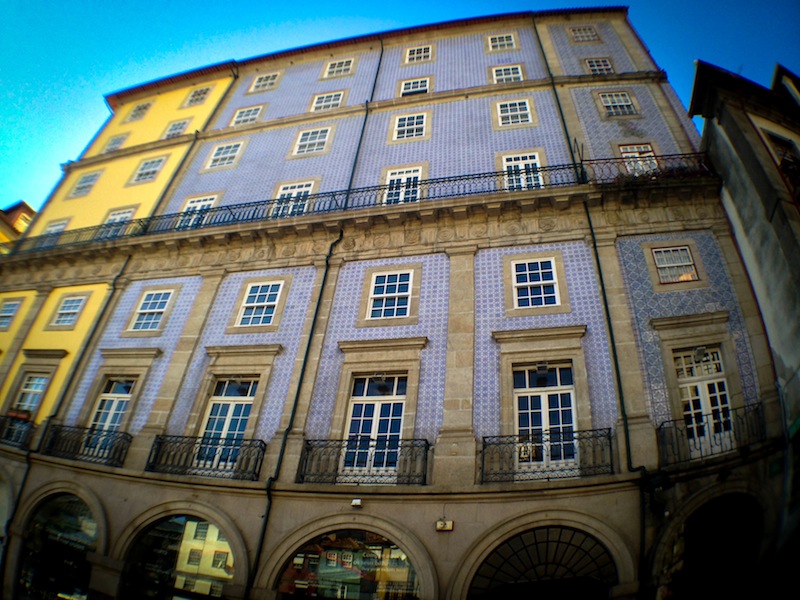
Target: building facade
column 446, row 312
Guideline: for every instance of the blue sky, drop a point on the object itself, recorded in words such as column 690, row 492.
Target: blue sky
column 58, row 58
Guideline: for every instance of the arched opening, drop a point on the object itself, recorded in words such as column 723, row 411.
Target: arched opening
column 349, row 563
column 178, row 557
column 53, row 560
column 546, row 562
column 721, row 548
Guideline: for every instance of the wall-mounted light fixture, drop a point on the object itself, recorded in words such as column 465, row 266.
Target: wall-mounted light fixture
column 355, row 503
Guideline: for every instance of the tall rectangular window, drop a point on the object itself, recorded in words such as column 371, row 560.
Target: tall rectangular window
column 418, row 54
column 313, row 140
column 148, row 170
column 675, row 264
column 84, row 184
column 327, row 101
column 68, row 311
column 112, row 404
column 535, row 283
column 338, row 68
column 226, row 422
column 390, row 295
column 403, row 185
column 617, row 104
column 245, row 116
column 260, row 303
column 8, row 310
column 507, row 74
column 151, row 311
column 292, row 199
column 409, row 126
column 513, row 113
column 224, row 155
column 639, row 158
column 522, row 172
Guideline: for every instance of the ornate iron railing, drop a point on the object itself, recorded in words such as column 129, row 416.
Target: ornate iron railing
column 613, row 171
column 361, row 460
column 15, row 432
column 207, row 457
column 722, row 431
column 546, row 455
column 87, row 445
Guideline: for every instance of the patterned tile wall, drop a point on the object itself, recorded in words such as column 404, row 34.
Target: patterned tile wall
column 166, row 342
column 586, row 304
column 432, row 323
column 572, row 55
column 646, row 304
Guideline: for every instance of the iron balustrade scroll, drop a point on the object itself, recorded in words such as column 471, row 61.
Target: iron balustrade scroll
column 207, row 457
column 87, row 445
column 15, row 432
column 364, row 461
column 719, row 432
column 546, row 455
column 612, row 171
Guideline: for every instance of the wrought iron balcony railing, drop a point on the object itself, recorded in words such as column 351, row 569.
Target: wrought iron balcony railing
column 207, row 457
column 362, row 460
column 602, row 171
column 546, row 455
column 722, row 431
column 15, row 432
column 87, row 445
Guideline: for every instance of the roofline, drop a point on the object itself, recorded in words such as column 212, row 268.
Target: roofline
column 113, row 99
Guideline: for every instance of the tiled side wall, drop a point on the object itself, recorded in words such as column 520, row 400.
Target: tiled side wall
column 646, row 304
column 572, row 55
column 490, row 316
column 432, row 323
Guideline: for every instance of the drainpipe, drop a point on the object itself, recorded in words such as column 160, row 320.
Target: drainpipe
column 296, row 401
column 54, row 413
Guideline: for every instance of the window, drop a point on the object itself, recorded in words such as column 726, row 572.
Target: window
column 311, row 141
column 68, row 311
column 8, row 310
column 545, row 418
column 599, row 66
column 55, row 227
column 705, row 403
column 639, row 158
column 220, row 560
column 327, row 101
column 409, row 126
column 112, row 404
column 415, row 86
column 513, row 113
column 115, row 142
column 84, row 184
column 138, row 112
column 390, row 295
column 675, row 264
column 244, row 116
column 226, row 422
column 535, row 283
column 502, row 42
column 224, row 155
column 176, row 129
column 584, row 34
column 292, row 199
column 195, row 554
column 617, row 104
column 151, row 311
column 260, row 304
column 507, row 74
column 522, row 172
column 201, row 530
column 116, row 224
column 31, row 391
column 375, row 423
column 148, row 170
column 194, row 213
column 197, row 97
column 419, row 54
column 338, row 68
column 403, row 185
column 264, row 82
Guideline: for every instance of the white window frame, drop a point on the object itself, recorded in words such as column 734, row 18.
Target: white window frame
column 115, row 142
column 226, row 419
column 584, row 33
column 247, row 115
column 640, row 159
column 403, row 185
column 148, row 170
column 599, row 66
column 292, row 199
column 617, row 104
column 176, row 129
column 68, row 311
column 339, row 68
column 522, row 171
column 409, row 127
column 264, row 82
column 194, row 213
column 224, row 155
column 418, row 54
column 514, row 112
column 675, row 264
column 153, row 306
column 507, row 74
column 312, row 141
column 116, row 223
column 138, row 112
column 502, row 42
column 112, row 403
column 261, row 304
column 327, row 101
column 412, row 87
column 534, row 283
column 32, row 389
column 8, row 311
column 390, row 294
column 197, row 96
column 85, row 184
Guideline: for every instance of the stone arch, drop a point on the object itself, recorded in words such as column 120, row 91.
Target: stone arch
column 597, row 532
column 410, row 544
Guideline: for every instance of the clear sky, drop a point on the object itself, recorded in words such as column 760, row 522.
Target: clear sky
column 59, row 58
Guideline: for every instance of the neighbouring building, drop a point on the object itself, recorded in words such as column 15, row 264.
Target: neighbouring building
column 453, row 311
column 14, row 220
